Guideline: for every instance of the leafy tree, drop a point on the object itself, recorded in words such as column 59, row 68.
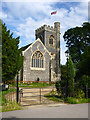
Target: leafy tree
column 0, row 32
column 0, row 50
column 60, row 85
column 70, row 76
column 12, row 60
column 83, row 74
column 84, row 64
column 67, row 74
column 77, row 39
column 63, row 74
column 63, row 79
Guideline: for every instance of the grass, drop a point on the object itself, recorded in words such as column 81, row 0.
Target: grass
column 53, row 96
column 34, row 84
column 8, row 105
column 4, row 101
column 72, row 100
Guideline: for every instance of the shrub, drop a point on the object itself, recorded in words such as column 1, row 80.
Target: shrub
column 72, row 100
column 58, row 87
column 79, row 93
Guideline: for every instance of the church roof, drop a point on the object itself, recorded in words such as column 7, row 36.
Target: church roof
column 25, row 47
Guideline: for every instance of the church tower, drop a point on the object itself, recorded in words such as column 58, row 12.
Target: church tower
column 50, row 37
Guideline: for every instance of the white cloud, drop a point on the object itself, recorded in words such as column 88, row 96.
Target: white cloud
column 45, row 1
column 3, row 15
column 29, row 16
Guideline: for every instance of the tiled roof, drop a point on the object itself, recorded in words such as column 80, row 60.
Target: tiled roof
column 25, row 47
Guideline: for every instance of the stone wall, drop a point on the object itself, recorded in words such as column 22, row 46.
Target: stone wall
column 30, row 74
column 46, row 31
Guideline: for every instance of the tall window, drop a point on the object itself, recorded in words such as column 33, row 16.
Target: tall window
column 38, row 60
column 51, row 40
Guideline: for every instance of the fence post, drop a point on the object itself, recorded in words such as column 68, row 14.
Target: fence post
column 17, row 93
column 40, row 95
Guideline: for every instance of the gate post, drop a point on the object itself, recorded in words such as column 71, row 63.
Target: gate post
column 40, row 95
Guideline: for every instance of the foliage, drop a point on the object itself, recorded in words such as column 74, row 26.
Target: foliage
column 72, row 100
column 0, row 32
column 78, row 93
column 83, row 74
column 67, row 74
column 58, row 86
column 8, row 105
column 0, row 50
column 63, row 75
column 83, row 81
column 52, row 96
column 4, row 100
column 70, row 76
column 77, row 39
column 84, row 64
column 11, row 106
column 12, row 60
column 33, row 84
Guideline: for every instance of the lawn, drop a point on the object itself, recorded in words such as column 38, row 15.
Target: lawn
column 33, row 84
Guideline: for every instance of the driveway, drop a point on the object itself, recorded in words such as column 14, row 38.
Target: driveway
column 51, row 111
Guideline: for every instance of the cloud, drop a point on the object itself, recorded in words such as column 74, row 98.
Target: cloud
column 3, row 15
column 45, row 1
column 24, row 18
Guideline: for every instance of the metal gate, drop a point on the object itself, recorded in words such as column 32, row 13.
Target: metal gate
column 35, row 96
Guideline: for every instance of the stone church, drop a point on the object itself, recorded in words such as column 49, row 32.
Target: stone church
column 42, row 57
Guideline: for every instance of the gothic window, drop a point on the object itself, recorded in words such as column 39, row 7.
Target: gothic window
column 37, row 60
column 51, row 40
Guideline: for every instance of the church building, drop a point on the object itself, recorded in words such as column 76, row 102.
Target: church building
column 42, row 57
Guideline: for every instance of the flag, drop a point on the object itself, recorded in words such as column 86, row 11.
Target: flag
column 53, row 12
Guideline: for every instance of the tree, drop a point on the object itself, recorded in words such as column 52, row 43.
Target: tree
column 70, row 76
column 60, row 85
column 0, row 50
column 83, row 74
column 67, row 74
column 63, row 79
column 12, row 60
column 84, row 64
column 77, row 39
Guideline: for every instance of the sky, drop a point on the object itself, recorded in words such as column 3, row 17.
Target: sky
column 23, row 17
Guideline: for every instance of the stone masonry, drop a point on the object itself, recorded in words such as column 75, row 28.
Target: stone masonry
column 51, row 53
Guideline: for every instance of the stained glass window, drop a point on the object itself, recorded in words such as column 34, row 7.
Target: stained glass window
column 37, row 60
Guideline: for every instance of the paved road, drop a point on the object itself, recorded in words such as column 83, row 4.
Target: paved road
column 51, row 111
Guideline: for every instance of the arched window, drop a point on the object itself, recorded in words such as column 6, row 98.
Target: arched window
column 37, row 60
column 51, row 40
